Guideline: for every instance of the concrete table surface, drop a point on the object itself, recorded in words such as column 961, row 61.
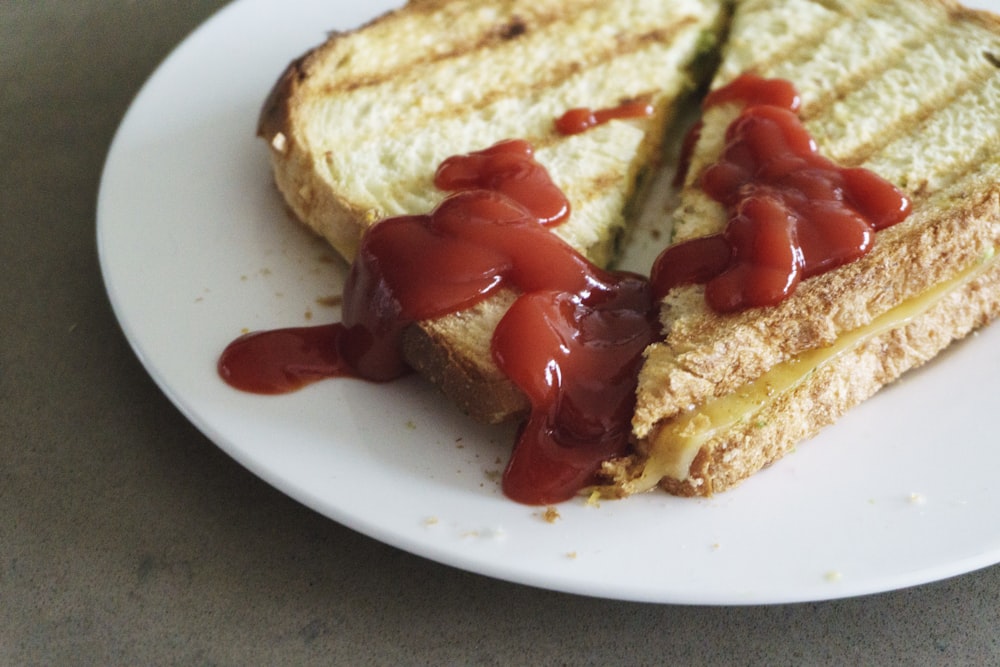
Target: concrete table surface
column 127, row 538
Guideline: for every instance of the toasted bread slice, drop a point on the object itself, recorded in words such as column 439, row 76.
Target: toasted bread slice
column 908, row 89
column 358, row 126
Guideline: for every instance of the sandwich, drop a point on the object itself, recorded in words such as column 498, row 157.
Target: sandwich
column 903, row 93
column 837, row 225
column 358, row 126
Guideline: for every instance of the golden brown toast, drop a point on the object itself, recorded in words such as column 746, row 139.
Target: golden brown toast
column 909, row 89
column 358, row 126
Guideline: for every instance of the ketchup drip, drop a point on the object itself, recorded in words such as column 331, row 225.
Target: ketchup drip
column 792, row 213
column 572, row 342
column 576, row 121
column 283, row 360
column 576, row 355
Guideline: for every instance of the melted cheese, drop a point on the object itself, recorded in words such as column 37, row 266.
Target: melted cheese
column 673, row 447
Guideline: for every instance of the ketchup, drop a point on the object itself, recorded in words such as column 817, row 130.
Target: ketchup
column 792, row 213
column 279, row 361
column 572, row 341
column 509, row 168
column 750, row 90
column 582, row 119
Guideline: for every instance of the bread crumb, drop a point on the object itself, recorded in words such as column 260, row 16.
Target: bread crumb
column 497, row 534
column 332, row 301
column 594, row 499
column 431, row 521
column 550, row 515
column 917, row 499
column 411, row 425
column 572, row 555
column 833, row 576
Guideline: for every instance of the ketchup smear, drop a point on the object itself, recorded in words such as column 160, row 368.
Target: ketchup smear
column 582, row 119
column 572, row 342
column 792, row 213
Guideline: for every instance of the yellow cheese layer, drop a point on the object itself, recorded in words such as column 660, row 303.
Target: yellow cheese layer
column 675, row 444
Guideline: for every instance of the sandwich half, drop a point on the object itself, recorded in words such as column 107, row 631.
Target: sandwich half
column 907, row 89
column 358, row 126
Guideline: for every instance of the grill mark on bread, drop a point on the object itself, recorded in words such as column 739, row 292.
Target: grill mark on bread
column 559, row 72
column 924, row 179
column 437, row 106
column 937, row 29
column 534, row 19
column 921, row 97
column 887, row 57
column 838, row 79
column 801, row 43
column 634, row 44
column 907, row 125
column 494, row 37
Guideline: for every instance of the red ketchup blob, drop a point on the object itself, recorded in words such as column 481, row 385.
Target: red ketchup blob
column 750, row 90
column 509, row 168
column 576, row 121
column 576, row 355
column 792, row 213
column 572, row 342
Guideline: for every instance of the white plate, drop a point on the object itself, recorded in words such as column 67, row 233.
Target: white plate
column 195, row 247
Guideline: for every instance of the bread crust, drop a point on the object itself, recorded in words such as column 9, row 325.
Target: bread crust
column 828, row 394
column 294, row 167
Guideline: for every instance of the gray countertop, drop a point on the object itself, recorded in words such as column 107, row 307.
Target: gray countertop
column 126, row 537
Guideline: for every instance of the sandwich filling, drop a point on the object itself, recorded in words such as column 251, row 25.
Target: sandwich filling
column 672, row 447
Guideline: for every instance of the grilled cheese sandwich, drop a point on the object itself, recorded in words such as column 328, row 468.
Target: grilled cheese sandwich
column 908, row 89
